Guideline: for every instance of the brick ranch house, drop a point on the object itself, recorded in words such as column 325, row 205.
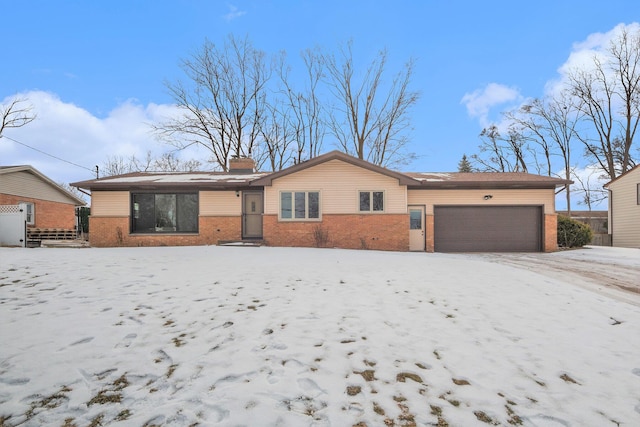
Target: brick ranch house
column 334, row 200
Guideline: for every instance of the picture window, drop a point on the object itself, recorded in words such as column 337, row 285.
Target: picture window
column 164, row 213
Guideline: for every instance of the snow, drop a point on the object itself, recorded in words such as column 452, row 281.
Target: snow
column 186, row 177
column 433, row 176
column 233, row 336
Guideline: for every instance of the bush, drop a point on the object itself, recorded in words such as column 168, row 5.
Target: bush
column 572, row 233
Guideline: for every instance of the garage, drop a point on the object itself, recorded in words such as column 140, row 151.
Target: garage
column 488, row 228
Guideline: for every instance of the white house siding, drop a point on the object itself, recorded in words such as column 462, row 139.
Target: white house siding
column 625, row 211
column 220, row 203
column 429, row 198
column 25, row 184
column 110, row 203
column 338, row 183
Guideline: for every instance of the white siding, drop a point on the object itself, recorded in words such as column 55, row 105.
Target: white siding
column 429, row 198
column 220, row 203
column 625, row 210
column 110, row 203
column 338, row 183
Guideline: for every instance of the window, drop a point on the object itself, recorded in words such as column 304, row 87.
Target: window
column 299, row 205
column 31, row 212
column 415, row 219
column 371, row 201
column 164, row 213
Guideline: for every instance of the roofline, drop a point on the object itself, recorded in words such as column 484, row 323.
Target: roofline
column 620, row 176
column 149, row 186
column 335, row 155
column 31, row 169
column 486, row 185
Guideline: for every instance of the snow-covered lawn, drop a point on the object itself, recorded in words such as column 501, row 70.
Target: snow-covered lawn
column 310, row 337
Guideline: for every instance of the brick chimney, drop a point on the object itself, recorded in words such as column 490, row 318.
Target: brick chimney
column 241, row 165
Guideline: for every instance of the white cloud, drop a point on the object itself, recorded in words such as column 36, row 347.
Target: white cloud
column 72, row 133
column 583, row 53
column 234, row 13
column 481, row 101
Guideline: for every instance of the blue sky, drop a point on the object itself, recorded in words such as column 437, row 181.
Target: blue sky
column 95, row 71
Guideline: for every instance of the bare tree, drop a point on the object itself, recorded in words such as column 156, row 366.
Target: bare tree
column 609, row 97
column 278, row 135
column 500, row 153
column 591, row 194
column 552, row 125
column 304, row 106
column 167, row 162
column 223, row 108
column 368, row 122
column 16, row 114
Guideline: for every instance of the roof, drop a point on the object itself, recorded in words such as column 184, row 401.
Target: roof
column 5, row 170
column 335, row 155
column 230, row 180
column 448, row 180
column 154, row 180
column 621, row 176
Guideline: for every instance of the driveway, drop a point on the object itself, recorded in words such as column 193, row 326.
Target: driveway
column 607, row 270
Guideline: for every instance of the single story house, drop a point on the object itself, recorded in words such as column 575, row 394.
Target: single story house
column 333, row 200
column 624, row 209
column 48, row 206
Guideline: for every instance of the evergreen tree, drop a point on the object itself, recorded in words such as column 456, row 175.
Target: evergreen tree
column 464, row 165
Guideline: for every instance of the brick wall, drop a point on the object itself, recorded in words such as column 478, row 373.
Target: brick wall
column 429, row 231
column 378, row 232
column 550, row 233
column 114, row 231
column 47, row 214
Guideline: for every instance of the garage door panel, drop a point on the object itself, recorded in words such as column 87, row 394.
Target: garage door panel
column 488, row 228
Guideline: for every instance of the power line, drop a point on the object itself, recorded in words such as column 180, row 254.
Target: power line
column 50, row 155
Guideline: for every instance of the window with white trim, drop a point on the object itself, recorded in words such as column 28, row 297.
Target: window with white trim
column 299, row 205
column 371, row 201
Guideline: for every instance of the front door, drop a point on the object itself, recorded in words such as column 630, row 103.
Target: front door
column 416, row 228
column 252, row 215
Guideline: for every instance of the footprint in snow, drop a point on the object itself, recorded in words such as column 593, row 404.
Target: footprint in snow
column 14, row 381
column 82, row 341
column 548, row 420
column 308, row 385
column 126, row 342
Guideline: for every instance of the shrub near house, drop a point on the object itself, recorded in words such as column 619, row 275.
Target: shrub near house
column 572, row 233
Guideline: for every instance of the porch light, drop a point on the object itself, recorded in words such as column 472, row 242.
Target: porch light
column 488, row 196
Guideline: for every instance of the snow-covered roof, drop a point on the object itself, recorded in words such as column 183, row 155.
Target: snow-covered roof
column 235, row 179
column 170, row 179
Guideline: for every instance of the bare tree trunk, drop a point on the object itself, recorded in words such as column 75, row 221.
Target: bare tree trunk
column 609, row 97
column 369, row 121
column 223, row 108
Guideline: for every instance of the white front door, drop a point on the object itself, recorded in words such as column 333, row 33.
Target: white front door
column 416, row 228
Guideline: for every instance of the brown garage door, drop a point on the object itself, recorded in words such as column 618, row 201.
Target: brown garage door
column 488, row 228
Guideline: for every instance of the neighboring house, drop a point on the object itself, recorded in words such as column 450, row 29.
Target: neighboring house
column 624, row 209
column 334, row 200
column 48, row 205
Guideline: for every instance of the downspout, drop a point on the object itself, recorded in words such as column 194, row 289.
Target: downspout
column 610, row 216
